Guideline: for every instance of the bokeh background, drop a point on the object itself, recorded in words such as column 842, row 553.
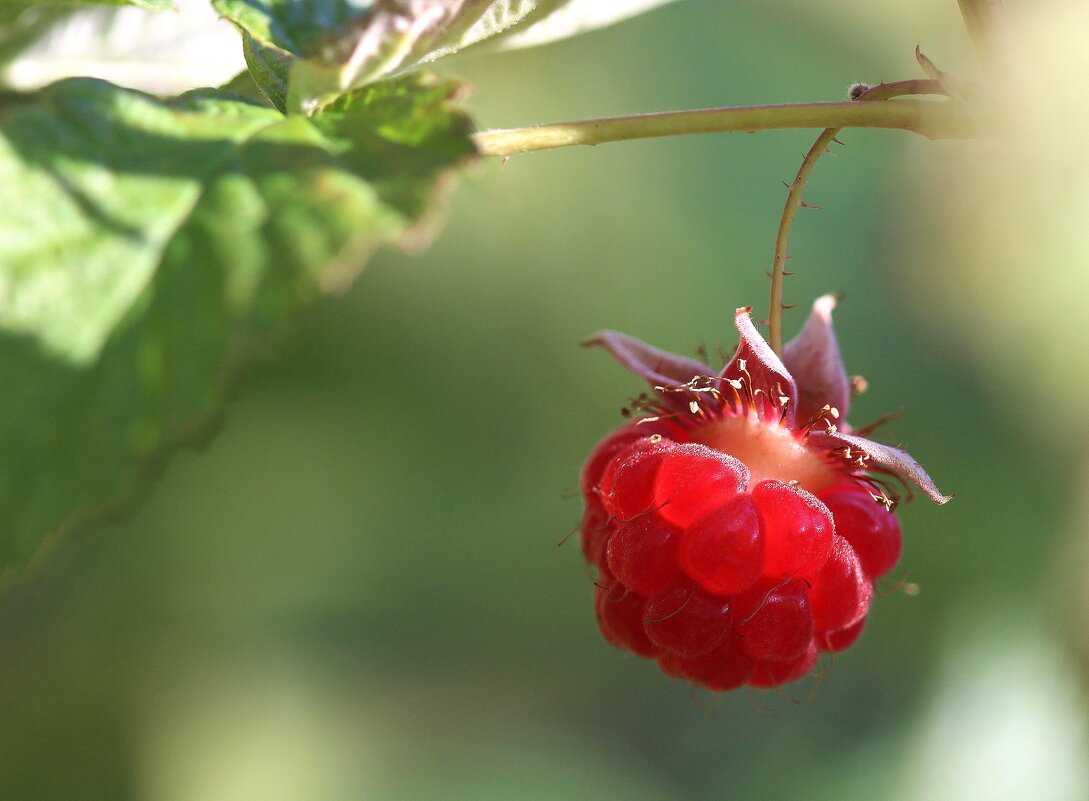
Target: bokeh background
column 356, row 592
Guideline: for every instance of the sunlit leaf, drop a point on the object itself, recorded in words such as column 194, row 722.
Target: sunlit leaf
column 337, row 46
column 155, row 4
column 156, row 51
column 23, row 24
column 149, row 248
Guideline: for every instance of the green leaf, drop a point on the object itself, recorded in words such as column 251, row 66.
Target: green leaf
column 269, row 67
column 243, row 86
column 571, row 18
column 335, row 47
column 293, row 26
column 148, row 249
column 164, row 53
column 21, row 24
column 153, row 4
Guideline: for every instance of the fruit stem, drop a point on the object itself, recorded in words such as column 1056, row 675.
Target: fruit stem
column 934, row 120
column 883, row 91
column 786, row 222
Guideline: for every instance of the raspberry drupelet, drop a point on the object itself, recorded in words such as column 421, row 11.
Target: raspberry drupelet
column 737, row 525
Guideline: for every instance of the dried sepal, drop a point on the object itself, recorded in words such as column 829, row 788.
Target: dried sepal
column 867, row 455
column 814, row 359
column 773, row 391
column 657, row 367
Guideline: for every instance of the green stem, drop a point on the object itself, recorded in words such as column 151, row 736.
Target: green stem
column 932, row 119
column 794, row 198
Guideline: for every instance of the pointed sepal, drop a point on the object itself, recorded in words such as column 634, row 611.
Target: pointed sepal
column 814, row 359
column 657, row 367
column 869, row 455
column 755, row 364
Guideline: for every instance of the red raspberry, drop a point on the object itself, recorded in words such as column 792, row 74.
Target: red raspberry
column 840, row 639
column 840, row 593
column 596, row 529
column 678, row 483
column 872, row 530
column 597, row 523
column 724, row 551
column 775, row 674
column 620, row 618
column 797, row 529
column 642, row 554
column 734, row 526
column 774, row 618
column 607, row 450
column 627, row 484
column 725, row 668
column 686, row 621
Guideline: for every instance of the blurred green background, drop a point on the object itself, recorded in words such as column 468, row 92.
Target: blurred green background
column 355, row 592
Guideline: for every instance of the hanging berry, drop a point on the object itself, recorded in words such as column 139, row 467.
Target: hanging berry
column 738, row 525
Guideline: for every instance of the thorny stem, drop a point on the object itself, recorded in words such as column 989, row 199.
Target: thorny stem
column 932, row 119
column 794, row 198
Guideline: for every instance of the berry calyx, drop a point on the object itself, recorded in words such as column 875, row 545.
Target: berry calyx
column 739, row 524
column 768, row 451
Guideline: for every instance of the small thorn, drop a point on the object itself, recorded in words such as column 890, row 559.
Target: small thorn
column 838, row 142
column 786, row 274
column 786, row 306
column 928, row 66
column 810, row 206
column 786, row 184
